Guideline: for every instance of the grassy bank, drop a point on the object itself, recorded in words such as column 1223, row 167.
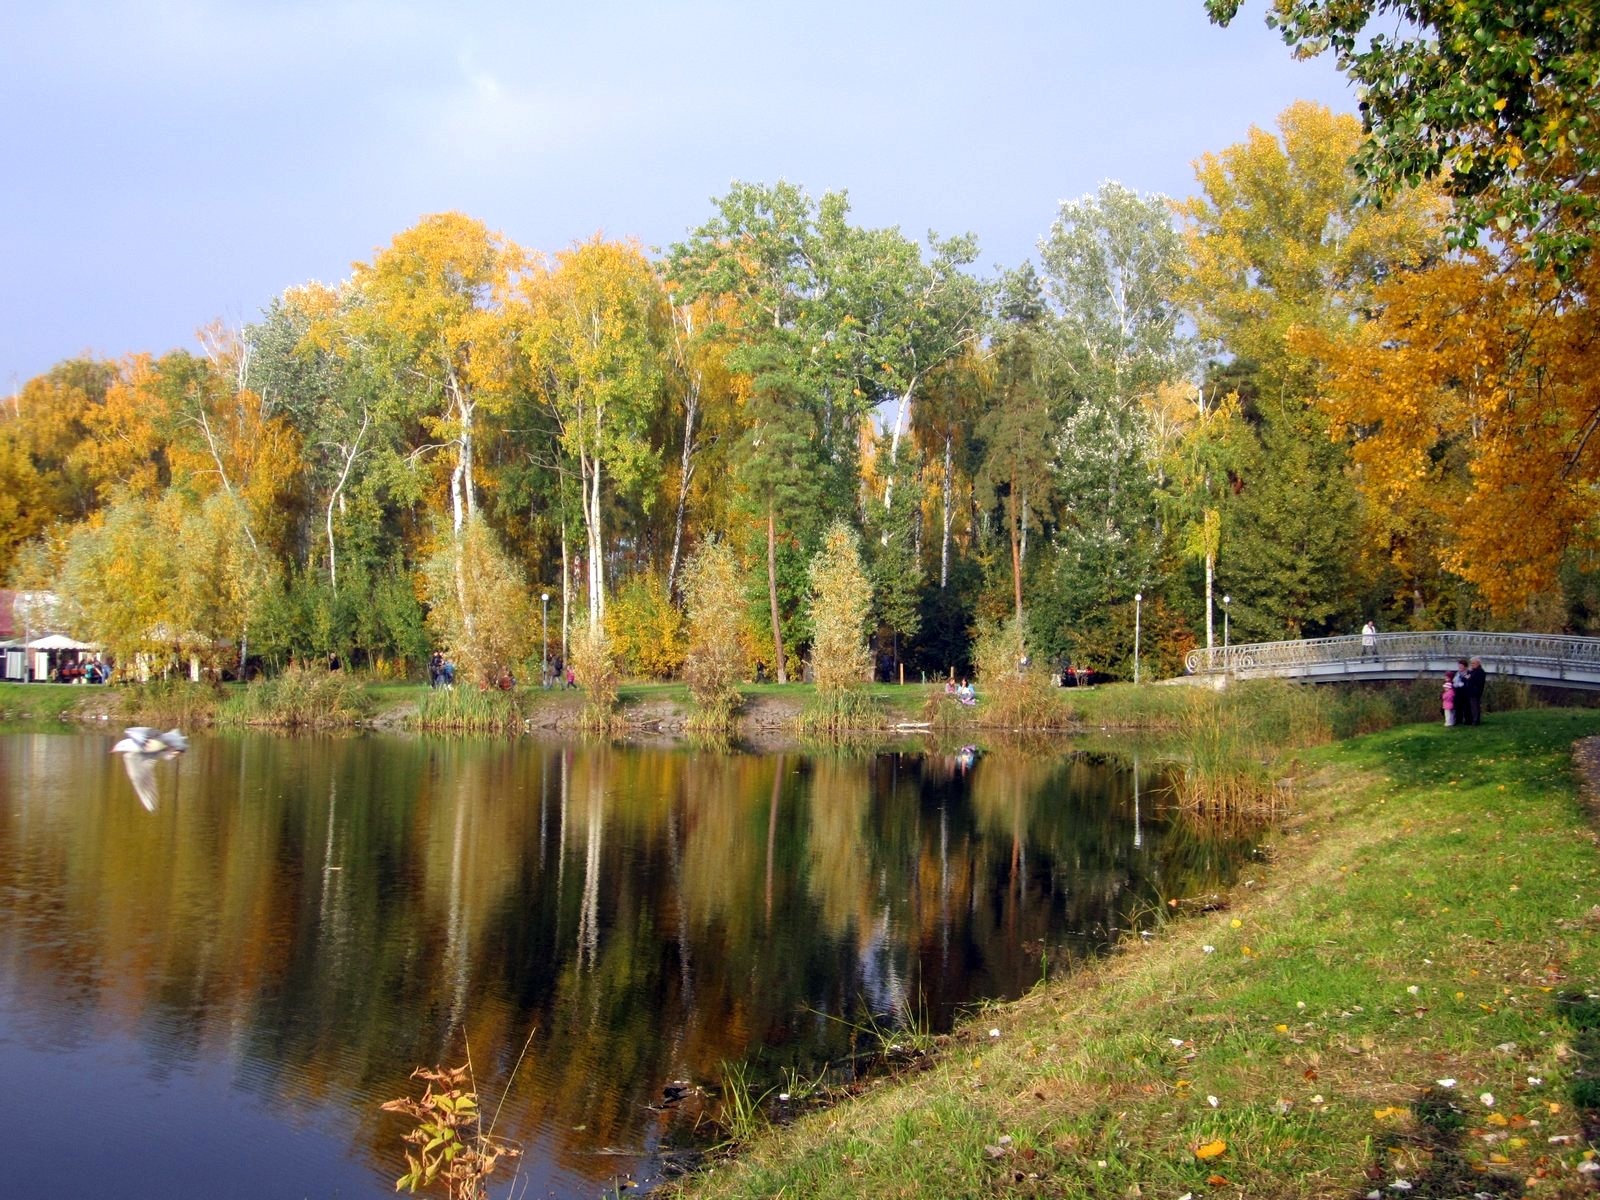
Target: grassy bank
column 1397, row 1004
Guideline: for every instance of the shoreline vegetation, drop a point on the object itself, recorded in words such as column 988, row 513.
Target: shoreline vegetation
column 1401, row 998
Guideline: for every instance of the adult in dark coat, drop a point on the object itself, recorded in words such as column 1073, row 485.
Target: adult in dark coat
column 1476, row 679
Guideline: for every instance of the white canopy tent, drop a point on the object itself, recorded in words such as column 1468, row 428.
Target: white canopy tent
column 16, row 655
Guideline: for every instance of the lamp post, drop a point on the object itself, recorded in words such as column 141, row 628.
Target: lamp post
column 544, row 664
column 1225, row 601
column 1138, row 600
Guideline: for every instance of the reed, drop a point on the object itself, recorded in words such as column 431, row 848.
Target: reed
column 299, row 698
column 837, row 712
column 172, row 703
column 471, row 710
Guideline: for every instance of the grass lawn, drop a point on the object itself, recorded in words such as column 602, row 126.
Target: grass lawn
column 41, row 701
column 1401, row 1003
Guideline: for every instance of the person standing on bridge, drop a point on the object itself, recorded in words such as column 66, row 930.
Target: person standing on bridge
column 1369, row 639
column 1477, row 679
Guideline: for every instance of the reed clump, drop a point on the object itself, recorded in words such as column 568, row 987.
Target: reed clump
column 172, row 703
column 1014, row 690
column 837, row 712
column 472, row 710
column 595, row 667
column 714, row 661
column 299, row 698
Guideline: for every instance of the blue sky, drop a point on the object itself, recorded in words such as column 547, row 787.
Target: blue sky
column 165, row 164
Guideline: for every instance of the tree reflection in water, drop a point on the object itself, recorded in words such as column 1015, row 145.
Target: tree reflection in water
column 316, row 917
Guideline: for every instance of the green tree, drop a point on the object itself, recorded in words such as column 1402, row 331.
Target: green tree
column 762, row 255
column 1017, row 429
column 1496, row 99
column 1111, row 268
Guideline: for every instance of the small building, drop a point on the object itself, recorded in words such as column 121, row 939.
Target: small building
column 33, row 647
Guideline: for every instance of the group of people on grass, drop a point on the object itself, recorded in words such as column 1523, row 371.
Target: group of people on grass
column 963, row 692
column 1462, row 699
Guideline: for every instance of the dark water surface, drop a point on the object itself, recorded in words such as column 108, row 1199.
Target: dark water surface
column 213, row 998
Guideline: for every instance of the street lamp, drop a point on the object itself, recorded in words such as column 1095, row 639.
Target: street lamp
column 1138, row 600
column 544, row 665
column 1225, row 601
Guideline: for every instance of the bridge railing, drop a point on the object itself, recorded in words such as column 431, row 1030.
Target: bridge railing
column 1555, row 654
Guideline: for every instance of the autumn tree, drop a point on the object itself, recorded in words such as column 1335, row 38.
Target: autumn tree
column 162, row 579
column 593, row 332
column 431, row 306
column 1471, row 400
column 841, row 601
column 1278, row 241
column 490, row 630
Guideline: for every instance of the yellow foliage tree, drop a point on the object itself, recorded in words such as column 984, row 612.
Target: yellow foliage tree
column 645, row 628
column 841, row 603
column 1471, row 400
column 479, row 607
column 1278, row 238
column 593, row 336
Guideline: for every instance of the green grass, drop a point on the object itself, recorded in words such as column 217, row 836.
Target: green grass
column 41, row 701
column 1429, row 914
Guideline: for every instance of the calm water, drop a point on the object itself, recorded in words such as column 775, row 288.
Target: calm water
column 212, row 998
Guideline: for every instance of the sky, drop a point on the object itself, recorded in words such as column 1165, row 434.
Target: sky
column 164, row 165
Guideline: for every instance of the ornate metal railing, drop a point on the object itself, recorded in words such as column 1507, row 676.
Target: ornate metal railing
column 1537, row 657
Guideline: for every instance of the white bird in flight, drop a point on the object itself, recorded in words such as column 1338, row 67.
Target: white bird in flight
column 141, row 749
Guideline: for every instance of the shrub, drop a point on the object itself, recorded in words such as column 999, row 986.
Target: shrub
column 841, row 601
column 716, row 658
column 308, row 697
column 1016, row 690
column 646, row 629
column 596, row 671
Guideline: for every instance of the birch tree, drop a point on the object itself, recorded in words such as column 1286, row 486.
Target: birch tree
column 593, row 337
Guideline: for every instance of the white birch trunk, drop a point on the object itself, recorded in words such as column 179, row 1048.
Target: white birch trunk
column 948, row 515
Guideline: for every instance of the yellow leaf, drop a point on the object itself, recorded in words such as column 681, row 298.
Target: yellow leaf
column 1281, row 1028
column 1210, row 1149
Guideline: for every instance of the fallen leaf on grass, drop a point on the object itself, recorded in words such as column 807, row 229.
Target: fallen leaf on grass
column 1210, row 1149
column 1215, row 1180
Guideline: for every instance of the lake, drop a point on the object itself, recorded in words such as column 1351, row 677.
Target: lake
column 213, row 997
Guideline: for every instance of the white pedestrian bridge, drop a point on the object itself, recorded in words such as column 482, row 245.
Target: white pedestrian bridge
column 1553, row 659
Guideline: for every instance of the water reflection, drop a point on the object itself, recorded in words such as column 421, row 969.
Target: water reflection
column 300, row 922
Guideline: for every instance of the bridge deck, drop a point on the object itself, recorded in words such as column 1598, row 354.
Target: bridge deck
column 1555, row 659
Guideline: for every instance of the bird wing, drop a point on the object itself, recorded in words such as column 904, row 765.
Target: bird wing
column 142, row 774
